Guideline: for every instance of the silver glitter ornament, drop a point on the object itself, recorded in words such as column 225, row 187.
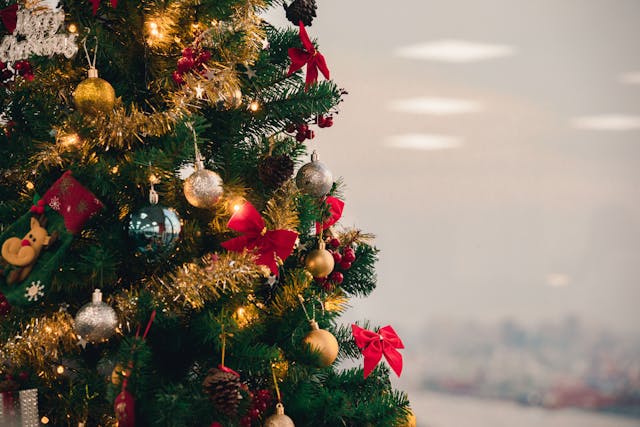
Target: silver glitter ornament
column 155, row 229
column 96, row 321
column 203, row 188
column 314, row 178
column 279, row 419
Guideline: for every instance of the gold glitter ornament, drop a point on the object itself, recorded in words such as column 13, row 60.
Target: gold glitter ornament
column 203, row 188
column 279, row 419
column 319, row 262
column 94, row 95
column 322, row 342
column 410, row 420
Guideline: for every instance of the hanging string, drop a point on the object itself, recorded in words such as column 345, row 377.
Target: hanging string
column 301, row 299
column 223, row 337
column 275, row 383
column 92, row 64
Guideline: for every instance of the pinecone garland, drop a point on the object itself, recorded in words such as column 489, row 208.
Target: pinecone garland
column 301, row 10
column 223, row 388
column 275, row 170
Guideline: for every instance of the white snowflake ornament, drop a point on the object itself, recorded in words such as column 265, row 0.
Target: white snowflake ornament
column 54, row 203
column 35, row 291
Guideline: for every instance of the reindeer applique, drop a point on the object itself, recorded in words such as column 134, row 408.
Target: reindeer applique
column 23, row 253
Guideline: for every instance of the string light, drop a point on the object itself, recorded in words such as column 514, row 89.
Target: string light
column 60, row 370
column 69, row 140
column 44, row 420
column 73, row 28
column 153, row 30
column 254, row 106
column 29, row 185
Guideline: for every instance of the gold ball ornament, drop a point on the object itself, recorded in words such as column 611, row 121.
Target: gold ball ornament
column 410, row 420
column 203, row 188
column 94, row 95
column 322, row 342
column 279, row 419
column 319, row 262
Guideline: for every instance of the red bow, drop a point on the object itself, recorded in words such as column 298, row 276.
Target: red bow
column 96, row 3
column 270, row 244
column 9, row 16
column 309, row 56
column 336, row 206
column 374, row 345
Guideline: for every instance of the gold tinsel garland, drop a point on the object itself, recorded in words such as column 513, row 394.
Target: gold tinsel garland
column 41, row 343
column 194, row 285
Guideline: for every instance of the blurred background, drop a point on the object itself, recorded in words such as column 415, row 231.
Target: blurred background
column 493, row 147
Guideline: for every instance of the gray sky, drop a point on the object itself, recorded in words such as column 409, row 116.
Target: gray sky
column 522, row 198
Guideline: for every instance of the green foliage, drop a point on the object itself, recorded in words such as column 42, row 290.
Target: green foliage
column 168, row 367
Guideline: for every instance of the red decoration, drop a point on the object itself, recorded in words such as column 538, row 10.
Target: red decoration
column 125, row 407
column 308, row 56
column 193, row 58
column 38, row 207
column 73, row 201
column 336, row 206
column 96, row 3
column 24, row 69
column 374, row 345
column 9, row 16
column 5, row 307
column 215, row 424
column 269, row 244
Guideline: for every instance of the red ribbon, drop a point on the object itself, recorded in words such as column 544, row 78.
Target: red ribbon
column 96, row 3
column 309, row 56
column 269, row 244
column 374, row 345
column 9, row 16
column 228, row 370
column 336, row 206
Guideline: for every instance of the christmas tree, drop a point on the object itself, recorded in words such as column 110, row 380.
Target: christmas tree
column 161, row 263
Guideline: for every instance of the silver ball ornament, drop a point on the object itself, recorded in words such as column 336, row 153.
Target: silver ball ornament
column 279, row 419
column 314, row 178
column 155, row 230
column 96, row 321
column 203, row 188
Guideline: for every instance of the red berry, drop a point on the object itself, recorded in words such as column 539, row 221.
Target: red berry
column 349, row 255
column 187, row 52
column 185, row 64
column 337, row 277
column 177, row 77
column 254, row 413
column 327, row 286
column 301, row 137
column 310, row 134
column 245, row 421
column 303, row 127
column 337, row 257
column 328, row 122
column 203, row 57
column 345, row 265
column 291, row 128
column 334, row 242
column 263, row 406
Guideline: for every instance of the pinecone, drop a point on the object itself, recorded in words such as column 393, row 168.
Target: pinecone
column 223, row 389
column 301, row 10
column 275, row 170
